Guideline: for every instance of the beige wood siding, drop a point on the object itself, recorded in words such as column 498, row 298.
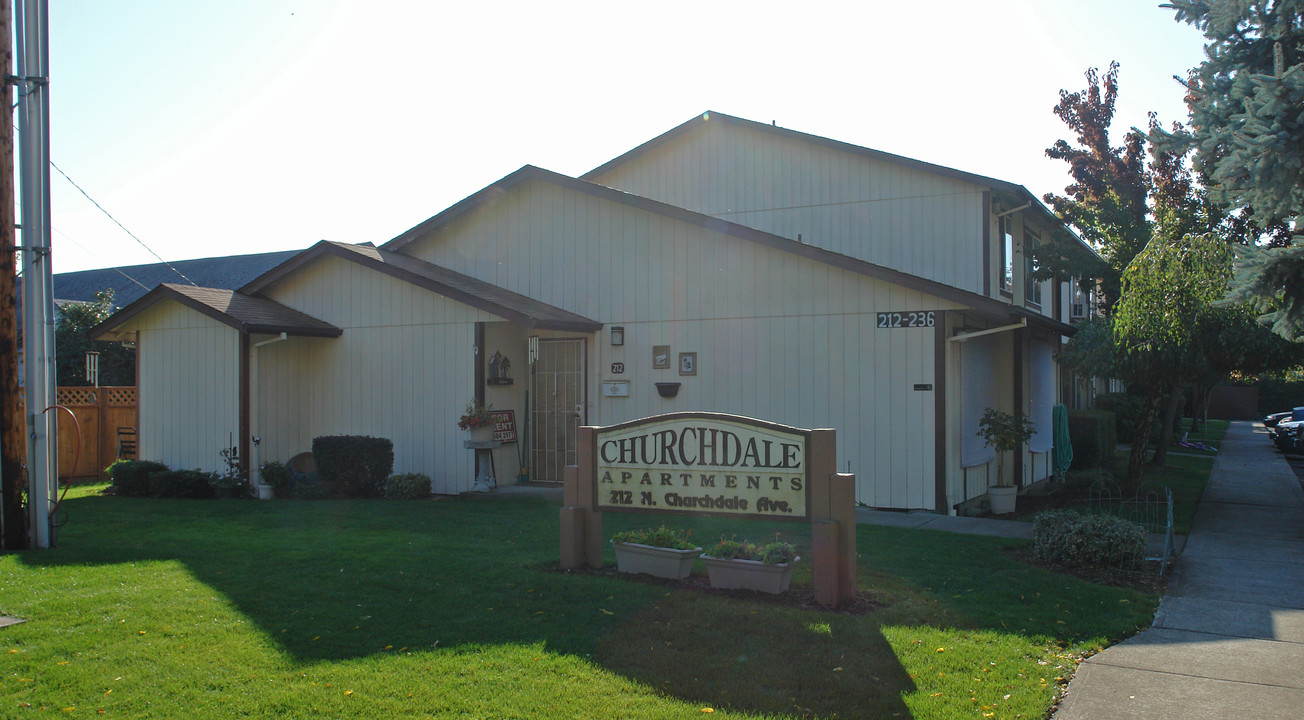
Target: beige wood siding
column 402, row 369
column 919, row 222
column 777, row 336
column 189, row 390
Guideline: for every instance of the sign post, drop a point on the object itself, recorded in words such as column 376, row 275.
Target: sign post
column 717, row 465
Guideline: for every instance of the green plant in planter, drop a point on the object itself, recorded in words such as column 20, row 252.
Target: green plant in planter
column 276, row 475
column 660, row 537
column 775, row 553
column 1004, row 432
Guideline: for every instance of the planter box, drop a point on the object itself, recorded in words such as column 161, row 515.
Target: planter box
column 1002, row 499
column 655, row 561
column 749, row 575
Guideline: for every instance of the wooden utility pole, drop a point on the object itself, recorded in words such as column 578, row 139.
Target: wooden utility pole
column 13, row 445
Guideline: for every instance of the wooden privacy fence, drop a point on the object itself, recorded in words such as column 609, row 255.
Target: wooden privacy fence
column 100, row 411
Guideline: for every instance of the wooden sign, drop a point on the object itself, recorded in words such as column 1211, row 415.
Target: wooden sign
column 504, row 424
column 694, row 463
column 702, row 464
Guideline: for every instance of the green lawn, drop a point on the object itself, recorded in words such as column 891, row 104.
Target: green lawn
column 454, row 608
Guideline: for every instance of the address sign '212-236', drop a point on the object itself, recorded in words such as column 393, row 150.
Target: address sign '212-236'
column 703, row 464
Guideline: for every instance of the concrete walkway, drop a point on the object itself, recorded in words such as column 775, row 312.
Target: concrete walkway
column 1228, row 640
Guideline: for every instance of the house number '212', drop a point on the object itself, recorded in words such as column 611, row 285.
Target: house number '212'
column 906, row 319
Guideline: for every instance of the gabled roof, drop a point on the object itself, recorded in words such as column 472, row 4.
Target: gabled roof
column 228, row 272
column 242, row 312
column 504, row 303
column 1019, row 192
column 988, row 306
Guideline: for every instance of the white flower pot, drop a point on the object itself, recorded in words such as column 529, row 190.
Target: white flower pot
column 655, row 561
column 1002, row 499
column 481, row 433
column 749, row 575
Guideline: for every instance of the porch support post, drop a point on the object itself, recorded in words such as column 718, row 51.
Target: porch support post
column 1019, row 375
column 581, row 526
column 245, row 384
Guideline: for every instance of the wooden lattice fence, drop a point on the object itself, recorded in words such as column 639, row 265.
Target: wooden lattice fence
column 100, row 412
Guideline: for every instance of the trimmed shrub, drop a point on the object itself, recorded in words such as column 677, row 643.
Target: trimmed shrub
column 407, row 486
column 276, row 475
column 354, row 466
column 192, row 484
column 130, row 478
column 1095, row 541
column 310, row 490
column 1094, row 438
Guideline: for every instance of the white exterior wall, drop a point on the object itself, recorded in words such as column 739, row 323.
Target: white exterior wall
column 919, row 222
column 778, row 337
column 403, row 369
column 189, row 391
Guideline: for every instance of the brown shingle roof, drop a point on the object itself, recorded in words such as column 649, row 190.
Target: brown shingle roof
column 243, row 312
column 491, row 298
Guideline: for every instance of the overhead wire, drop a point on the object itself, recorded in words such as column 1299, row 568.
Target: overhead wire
column 124, row 227
column 87, row 250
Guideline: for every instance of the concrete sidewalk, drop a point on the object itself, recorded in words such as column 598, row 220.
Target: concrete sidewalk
column 1228, row 639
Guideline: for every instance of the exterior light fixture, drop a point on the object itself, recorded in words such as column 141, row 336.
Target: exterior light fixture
column 617, row 335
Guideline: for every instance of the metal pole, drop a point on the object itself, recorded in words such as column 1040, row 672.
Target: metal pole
column 32, row 20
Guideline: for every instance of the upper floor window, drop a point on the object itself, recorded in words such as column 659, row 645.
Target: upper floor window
column 1079, row 302
column 1007, row 255
column 1031, row 288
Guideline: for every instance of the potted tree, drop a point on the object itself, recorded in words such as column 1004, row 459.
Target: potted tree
column 1003, row 432
column 735, row 565
column 661, row 552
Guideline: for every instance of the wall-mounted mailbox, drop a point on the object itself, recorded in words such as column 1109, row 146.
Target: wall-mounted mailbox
column 615, row 388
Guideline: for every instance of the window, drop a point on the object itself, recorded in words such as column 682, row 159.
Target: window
column 1007, row 255
column 1031, row 288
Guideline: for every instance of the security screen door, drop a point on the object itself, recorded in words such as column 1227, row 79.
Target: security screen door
column 556, row 407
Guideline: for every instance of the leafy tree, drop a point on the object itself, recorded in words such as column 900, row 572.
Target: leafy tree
column 1106, row 202
column 1248, row 136
column 1169, row 295
column 117, row 364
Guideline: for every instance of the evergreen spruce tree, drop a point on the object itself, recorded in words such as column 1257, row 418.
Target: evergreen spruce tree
column 1247, row 131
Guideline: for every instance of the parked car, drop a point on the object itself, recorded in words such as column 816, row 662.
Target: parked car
column 1278, row 422
column 1271, row 421
column 1288, row 436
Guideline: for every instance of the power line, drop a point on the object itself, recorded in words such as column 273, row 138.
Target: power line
column 119, row 271
column 124, row 228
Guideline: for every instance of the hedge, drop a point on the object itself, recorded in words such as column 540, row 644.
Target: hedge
column 353, row 466
column 407, row 486
column 130, row 478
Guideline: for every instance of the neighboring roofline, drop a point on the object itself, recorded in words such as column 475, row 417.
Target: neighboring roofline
column 986, row 305
column 165, row 292
column 505, row 310
column 1004, row 186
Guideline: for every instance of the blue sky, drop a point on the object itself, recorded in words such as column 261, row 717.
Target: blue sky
column 215, row 128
